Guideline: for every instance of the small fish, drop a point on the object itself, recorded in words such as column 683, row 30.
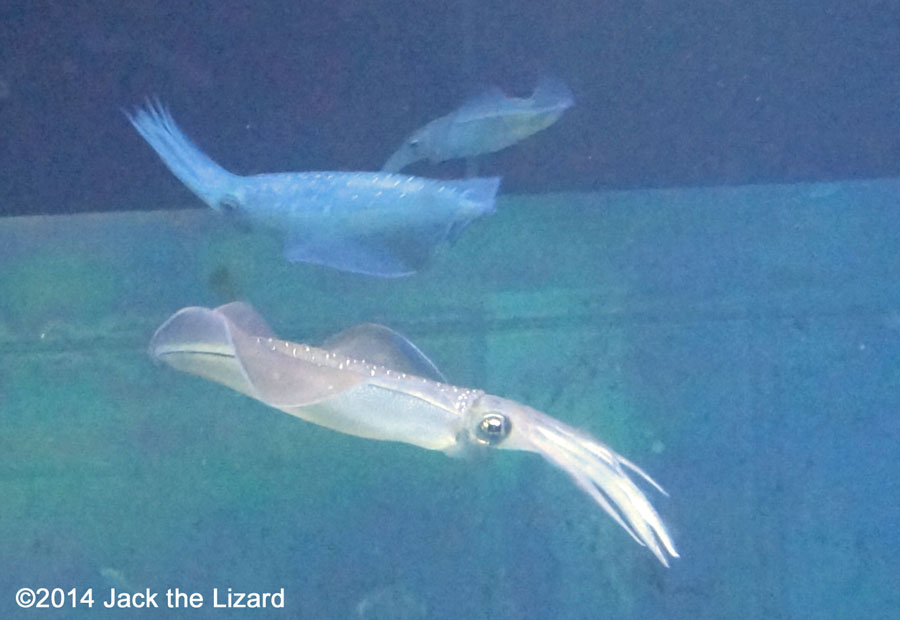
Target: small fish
column 373, row 223
column 486, row 123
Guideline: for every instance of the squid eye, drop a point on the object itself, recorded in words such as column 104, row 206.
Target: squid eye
column 229, row 205
column 492, row 429
column 234, row 211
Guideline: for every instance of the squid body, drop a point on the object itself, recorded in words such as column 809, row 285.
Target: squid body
column 371, row 382
column 373, row 223
column 485, row 123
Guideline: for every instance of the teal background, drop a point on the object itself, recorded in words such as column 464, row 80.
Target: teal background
column 740, row 344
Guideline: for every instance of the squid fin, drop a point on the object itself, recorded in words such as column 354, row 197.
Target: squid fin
column 381, row 345
column 281, row 374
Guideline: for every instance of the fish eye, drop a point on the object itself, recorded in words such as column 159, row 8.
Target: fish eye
column 414, row 143
column 492, row 429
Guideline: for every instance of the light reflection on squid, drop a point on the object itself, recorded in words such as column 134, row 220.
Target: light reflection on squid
column 371, row 382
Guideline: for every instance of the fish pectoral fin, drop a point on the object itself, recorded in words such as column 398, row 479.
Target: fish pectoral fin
column 383, row 346
column 383, row 255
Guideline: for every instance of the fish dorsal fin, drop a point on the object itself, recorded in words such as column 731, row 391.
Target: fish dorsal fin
column 245, row 317
column 381, row 345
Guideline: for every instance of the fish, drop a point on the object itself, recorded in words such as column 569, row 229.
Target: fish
column 485, row 123
column 371, row 382
column 372, row 223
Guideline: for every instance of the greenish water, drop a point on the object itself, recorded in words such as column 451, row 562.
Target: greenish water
column 739, row 344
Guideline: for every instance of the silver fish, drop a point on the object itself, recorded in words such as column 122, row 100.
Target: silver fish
column 372, row 223
column 372, row 382
column 486, row 123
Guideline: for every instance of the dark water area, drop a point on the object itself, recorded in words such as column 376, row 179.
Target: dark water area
column 667, row 93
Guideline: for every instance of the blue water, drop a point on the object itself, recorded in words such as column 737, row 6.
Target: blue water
column 739, row 344
column 735, row 333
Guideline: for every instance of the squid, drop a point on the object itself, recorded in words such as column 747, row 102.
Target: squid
column 485, row 123
column 371, row 223
column 371, row 382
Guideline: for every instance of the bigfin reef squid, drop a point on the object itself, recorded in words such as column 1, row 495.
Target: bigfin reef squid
column 372, row 223
column 485, row 123
column 371, row 382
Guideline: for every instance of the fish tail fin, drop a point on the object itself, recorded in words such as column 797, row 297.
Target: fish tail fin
column 553, row 92
column 203, row 176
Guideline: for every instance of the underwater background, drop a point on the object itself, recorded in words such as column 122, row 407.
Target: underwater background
column 697, row 265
